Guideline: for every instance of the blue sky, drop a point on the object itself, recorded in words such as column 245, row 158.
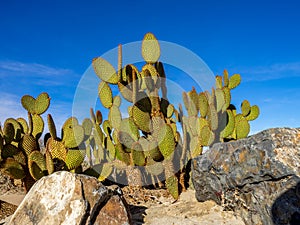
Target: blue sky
column 49, row 45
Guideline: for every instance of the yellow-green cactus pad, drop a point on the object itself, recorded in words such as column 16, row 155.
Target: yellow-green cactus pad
column 141, row 118
column 220, row 98
column 72, row 133
column 242, row 128
column 166, row 141
column 254, row 113
column 203, row 104
column 13, row 169
column 234, row 81
column 245, row 107
column 18, row 129
column 56, row 149
column 51, row 126
column 172, row 186
column 49, row 162
column 206, row 136
column 38, row 105
column 150, row 48
column 105, row 94
column 9, row 150
column 105, row 71
column 24, row 125
column 226, row 78
column 230, row 124
column 115, row 117
column 219, row 83
column 8, row 133
column 28, row 144
column 37, row 165
column 74, row 158
column 106, row 170
column 138, row 156
column 38, row 126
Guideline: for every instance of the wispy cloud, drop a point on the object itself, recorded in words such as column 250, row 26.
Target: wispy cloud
column 269, row 72
column 40, row 74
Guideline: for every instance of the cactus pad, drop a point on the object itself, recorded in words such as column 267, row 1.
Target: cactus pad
column 166, row 141
column 105, row 71
column 105, row 94
column 150, row 48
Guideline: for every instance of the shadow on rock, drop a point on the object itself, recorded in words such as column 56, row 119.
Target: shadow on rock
column 286, row 208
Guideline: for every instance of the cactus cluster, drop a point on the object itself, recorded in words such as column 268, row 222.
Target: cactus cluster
column 148, row 137
column 145, row 146
column 211, row 116
column 22, row 156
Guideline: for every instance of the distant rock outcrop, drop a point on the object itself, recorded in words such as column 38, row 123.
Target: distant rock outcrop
column 258, row 177
column 67, row 198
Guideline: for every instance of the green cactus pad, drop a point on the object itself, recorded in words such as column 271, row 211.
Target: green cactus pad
column 110, row 148
column 172, row 186
column 24, row 125
column 117, row 101
column 38, row 105
column 246, row 108
column 206, row 136
column 227, row 96
column 128, row 126
column 115, row 117
column 37, row 165
column 42, row 103
column 72, row 133
column 56, row 149
column 203, row 104
column 220, row 98
column 234, row 81
column 9, row 150
column 49, row 162
column 242, row 127
column 28, row 144
column 18, row 130
column 213, row 117
column 8, row 133
column 193, row 96
column 105, row 71
column 38, row 126
column 106, row 170
column 230, row 124
column 105, row 94
column 87, row 126
column 125, row 139
column 74, row 158
column 138, row 157
column 219, row 83
column 226, row 78
column 51, row 126
column 126, row 91
column 153, row 151
column 28, row 103
column 141, row 118
column 154, row 168
column 195, row 147
column 13, row 169
column 166, row 141
column 254, row 113
column 20, row 158
column 150, row 48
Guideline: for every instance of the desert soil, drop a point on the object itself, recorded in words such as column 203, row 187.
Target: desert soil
column 147, row 206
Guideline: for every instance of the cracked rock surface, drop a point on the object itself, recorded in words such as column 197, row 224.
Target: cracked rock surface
column 257, row 177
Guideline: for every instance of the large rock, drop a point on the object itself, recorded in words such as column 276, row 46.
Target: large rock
column 67, row 198
column 258, row 177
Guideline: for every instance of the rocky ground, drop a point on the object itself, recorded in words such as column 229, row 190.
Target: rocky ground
column 147, row 206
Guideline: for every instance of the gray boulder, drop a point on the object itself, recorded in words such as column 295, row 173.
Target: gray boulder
column 257, row 177
column 67, row 198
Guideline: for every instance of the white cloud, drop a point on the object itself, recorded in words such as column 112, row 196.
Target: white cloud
column 269, row 72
